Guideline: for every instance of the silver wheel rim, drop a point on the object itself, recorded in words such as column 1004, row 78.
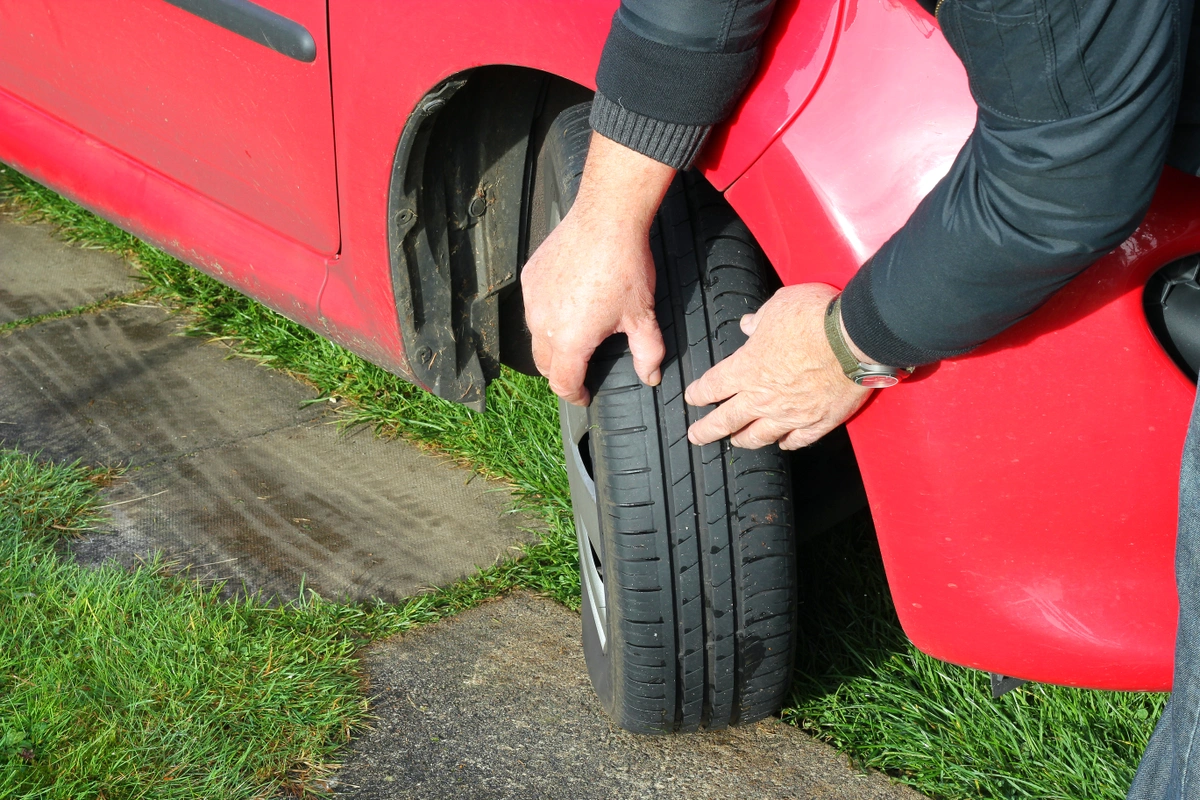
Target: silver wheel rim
column 574, row 422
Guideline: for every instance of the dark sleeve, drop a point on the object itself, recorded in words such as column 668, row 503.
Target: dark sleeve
column 671, row 69
column 1076, row 107
column 1185, row 145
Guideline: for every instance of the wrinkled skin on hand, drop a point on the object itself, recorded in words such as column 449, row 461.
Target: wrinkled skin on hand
column 593, row 276
column 784, row 385
column 570, row 310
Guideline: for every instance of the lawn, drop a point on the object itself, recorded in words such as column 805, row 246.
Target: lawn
column 861, row 686
column 116, row 684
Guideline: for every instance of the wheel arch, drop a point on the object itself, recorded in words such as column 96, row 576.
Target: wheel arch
column 459, row 202
column 436, row 46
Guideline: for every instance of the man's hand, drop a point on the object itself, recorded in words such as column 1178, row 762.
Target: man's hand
column 589, row 280
column 593, row 276
column 784, row 385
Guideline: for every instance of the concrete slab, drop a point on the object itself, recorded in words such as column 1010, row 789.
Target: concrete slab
column 348, row 516
column 40, row 274
column 495, row 703
column 120, row 386
column 230, row 475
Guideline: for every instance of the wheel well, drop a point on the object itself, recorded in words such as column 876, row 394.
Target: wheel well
column 459, row 223
column 464, row 212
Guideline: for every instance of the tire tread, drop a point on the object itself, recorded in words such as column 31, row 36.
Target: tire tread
column 701, row 575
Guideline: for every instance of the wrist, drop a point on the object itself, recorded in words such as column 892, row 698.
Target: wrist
column 608, row 219
column 853, row 363
column 621, row 187
column 859, row 354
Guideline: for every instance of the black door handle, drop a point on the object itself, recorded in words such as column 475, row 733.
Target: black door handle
column 257, row 24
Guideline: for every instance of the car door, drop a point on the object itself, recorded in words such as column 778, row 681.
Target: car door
column 229, row 98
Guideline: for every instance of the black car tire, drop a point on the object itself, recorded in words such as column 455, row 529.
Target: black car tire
column 687, row 553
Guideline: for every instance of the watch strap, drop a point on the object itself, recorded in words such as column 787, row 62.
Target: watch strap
column 872, row 376
column 837, row 342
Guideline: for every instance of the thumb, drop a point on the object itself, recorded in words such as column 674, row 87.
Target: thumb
column 646, row 345
column 749, row 324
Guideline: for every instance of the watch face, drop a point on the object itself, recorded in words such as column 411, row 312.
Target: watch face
column 876, row 381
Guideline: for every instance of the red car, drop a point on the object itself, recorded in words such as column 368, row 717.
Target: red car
column 379, row 171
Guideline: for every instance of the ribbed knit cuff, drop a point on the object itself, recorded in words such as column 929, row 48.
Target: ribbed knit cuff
column 867, row 329
column 673, row 144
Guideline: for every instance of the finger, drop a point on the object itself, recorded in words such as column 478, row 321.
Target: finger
column 749, row 324
column 719, row 383
column 646, row 346
column 542, row 354
column 722, row 421
column 567, row 373
column 759, row 434
column 799, row 438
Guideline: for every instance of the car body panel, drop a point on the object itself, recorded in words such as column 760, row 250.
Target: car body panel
column 164, row 212
column 795, row 55
column 239, row 123
column 1025, row 494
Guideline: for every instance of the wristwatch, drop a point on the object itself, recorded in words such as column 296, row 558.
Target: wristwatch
column 872, row 376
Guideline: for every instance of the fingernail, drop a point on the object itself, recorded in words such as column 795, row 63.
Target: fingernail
column 692, row 437
column 655, row 378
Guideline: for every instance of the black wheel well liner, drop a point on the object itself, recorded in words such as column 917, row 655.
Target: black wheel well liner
column 458, row 223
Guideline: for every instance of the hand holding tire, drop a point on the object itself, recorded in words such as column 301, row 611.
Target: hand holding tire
column 591, row 278
column 784, row 384
column 687, row 554
column 594, row 275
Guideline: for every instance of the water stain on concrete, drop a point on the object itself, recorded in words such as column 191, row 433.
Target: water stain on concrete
column 121, row 386
column 232, row 474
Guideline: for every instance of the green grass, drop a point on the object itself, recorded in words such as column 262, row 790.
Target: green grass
column 863, row 687
column 117, row 684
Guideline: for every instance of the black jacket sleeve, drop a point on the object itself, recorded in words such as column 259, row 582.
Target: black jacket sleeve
column 1076, row 107
column 671, row 69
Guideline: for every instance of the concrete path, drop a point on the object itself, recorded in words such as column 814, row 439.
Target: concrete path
column 495, row 703
column 39, row 274
column 239, row 478
column 234, row 475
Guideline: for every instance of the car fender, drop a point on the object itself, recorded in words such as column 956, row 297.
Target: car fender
column 1024, row 494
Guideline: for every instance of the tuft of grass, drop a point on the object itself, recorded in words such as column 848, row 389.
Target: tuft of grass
column 862, row 686
column 87, row 308
column 47, row 501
